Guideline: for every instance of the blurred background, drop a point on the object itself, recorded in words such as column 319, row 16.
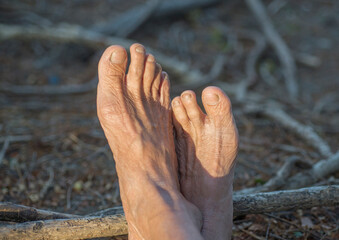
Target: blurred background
column 279, row 67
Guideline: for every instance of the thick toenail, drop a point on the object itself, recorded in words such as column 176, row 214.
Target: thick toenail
column 211, row 99
column 176, row 103
column 117, row 57
column 140, row 49
column 187, row 96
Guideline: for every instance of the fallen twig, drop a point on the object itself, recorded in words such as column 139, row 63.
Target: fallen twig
column 108, row 225
column 305, row 132
column 19, row 213
column 251, row 60
column 281, row 48
column 76, row 228
column 48, row 184
column 126, row 23
column 319, row 171
column 275, row 112
column 12, row 138
column 277, row 181
column 4, row 149
column 178, row 6
column 74, row 33
column 50, row 90
column 203, row 80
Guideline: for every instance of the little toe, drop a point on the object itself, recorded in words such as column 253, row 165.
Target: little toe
column 136, row 68
column 193, row 110
column 165, row 90
column 149, row 74
column 217, row 105
column 156, row 83
column 180, row 118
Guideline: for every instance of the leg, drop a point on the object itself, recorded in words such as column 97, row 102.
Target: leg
column 206, row 149
column 134, row 113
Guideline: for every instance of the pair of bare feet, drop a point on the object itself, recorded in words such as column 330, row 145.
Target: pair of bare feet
column 171, row 187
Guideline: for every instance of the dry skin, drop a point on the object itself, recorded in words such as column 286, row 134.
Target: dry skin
column 62, row 162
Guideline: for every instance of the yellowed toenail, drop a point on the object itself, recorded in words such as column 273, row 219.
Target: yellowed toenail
column 176, row 103
column 150, row 58
column 140, row 49
column 187, row 96
column 211, row 99
column 117, row 57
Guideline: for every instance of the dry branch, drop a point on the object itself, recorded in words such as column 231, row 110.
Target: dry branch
column 178, row 6
column 50, row 90
column 4, row 149
column 126, row 23
column 305, row 132
column 90, row 227
column 78, row 228
column 203, row 80
column 278, row 181
column 304, row 198
column 19, row 213
column 276, row 41
column 12, row 138
column 319, row 171
column 74, row 33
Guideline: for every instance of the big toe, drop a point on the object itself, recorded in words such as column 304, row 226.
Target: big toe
column 111, row 71
column 217, row 105
column 112, row 68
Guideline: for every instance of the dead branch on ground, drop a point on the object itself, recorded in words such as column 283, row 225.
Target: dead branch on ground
column 167, row 8
column 305, row 132
column 103, row 225
column 19, row 213
column 277, row 181
column 12, row 138
column 74, row 33
column 319, row 171
column 127, row 22
column 76, row 228
column 283, row 52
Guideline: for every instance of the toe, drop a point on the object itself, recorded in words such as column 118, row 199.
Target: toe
column 149, row 74
column 156, row 83
column 193, row 110
column 180, row 118
column 136, row 68
column 217, row 105
column 165, row 90
column 111, row 69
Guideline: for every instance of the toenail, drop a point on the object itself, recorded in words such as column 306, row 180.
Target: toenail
column 140, row 49
column 176, row 103
column 117, row 57
column 164, row 75
column 211, row 99
column 187, row 96
column 150, row 58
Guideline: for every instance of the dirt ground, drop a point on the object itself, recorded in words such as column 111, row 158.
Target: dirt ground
column 62, row 162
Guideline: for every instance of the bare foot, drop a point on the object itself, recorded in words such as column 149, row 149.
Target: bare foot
column 134, row 113
column 206, row 149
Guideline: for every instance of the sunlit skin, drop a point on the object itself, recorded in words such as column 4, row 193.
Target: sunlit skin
column 134, row 111
column 206, row 149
